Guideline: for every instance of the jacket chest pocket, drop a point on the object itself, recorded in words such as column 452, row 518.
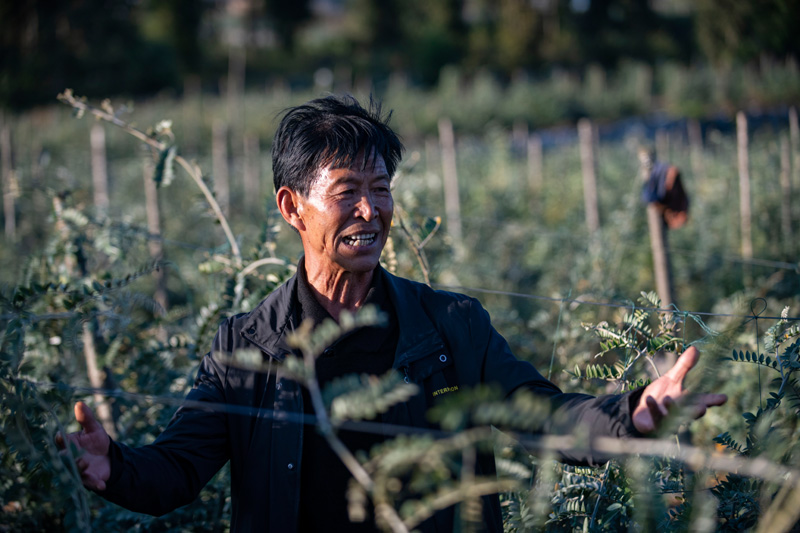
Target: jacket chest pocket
column 435, row 374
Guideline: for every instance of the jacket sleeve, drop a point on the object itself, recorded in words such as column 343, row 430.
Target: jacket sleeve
column 570, row 413
column 170, row 472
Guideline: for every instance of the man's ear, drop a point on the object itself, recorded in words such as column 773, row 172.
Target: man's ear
column 289, row 205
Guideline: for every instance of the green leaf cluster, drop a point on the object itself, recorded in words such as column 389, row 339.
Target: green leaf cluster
column 363, row 397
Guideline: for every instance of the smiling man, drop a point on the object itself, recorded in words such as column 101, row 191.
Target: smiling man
column 333, row 162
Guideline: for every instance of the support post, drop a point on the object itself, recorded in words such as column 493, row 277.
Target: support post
column 662, row 267
column 252, row 171
column 192, row 107
column 154, row 243
column 97, row 138
column 745, row 216
column 786, row 197
column 585, row 135
column 452, row 203
column 8, row 181
column 219, row 162
column 794, row 145
column 104, row 413
column 535, row 163
column 238, row 12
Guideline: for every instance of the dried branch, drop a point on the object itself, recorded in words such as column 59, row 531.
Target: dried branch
column 191, row 168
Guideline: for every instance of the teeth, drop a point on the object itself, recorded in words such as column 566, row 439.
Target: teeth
column 364, row 239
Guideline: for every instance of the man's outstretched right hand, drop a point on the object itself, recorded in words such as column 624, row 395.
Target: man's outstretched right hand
column 92, row 443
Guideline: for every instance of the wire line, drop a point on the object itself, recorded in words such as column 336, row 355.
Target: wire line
column 600, row 304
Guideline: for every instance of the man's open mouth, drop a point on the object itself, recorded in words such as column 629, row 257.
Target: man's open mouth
column 363, row 239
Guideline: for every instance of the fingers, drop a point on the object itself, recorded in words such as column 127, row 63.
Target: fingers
column 90, row 479
column 648, row 417
column 697, row 407
column 93, row 469
column 713, row 399
column 85, row 417
column 703, row 401
column 686, row 362
column 658, row 410
column 90, row 471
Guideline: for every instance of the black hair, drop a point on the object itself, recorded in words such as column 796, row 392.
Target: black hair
column 331, row 130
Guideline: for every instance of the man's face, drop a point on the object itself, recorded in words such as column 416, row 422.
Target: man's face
column 346, row 218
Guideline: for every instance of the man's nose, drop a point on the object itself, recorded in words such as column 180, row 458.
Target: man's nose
column 366, row 207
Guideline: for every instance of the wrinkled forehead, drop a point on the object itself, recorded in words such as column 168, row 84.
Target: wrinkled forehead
column 363, row 159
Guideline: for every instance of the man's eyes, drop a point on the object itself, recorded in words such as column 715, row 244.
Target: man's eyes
column 379, row 190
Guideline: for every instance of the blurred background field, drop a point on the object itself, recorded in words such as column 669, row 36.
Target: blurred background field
column 524, row 228
column 513, row 78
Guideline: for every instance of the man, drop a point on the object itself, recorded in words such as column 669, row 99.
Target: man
column 333, row 162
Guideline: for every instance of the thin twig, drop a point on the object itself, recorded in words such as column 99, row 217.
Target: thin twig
column 600, row 494
column 653, row 365
column 345, row 455
column 242, row 275
column 415, row 247
column 463, row 493
column 261, row 262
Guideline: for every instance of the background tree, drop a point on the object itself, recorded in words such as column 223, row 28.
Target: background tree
column 176, row 24
column 436, row 34
column 287, row 18
column 609, row 30
column 729, row 31
column 91, row 45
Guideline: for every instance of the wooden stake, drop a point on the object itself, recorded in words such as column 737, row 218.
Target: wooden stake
column 97, row 139
column 104, row 413
column 535, row 163
column 744, row 189
column 154, row 244
column 786, row 197
column 7, row 178
column 192, row 107
column 585, row 134
column 39, row 195
column 238, row 12
column 662, row 267
column 794, row 149
column 794, row 141
column 252, row 171
column 219, row 162
column 452, row 203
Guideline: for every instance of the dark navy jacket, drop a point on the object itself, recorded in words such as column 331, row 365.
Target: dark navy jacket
column 446, row 340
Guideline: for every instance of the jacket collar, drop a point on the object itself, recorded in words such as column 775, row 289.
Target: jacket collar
column 418, row 336
column 269, row 324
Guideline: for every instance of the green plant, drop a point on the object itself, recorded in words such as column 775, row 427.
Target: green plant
column 94, row 278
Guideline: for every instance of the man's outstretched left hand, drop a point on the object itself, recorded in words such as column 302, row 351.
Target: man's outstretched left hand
column 667, row 393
